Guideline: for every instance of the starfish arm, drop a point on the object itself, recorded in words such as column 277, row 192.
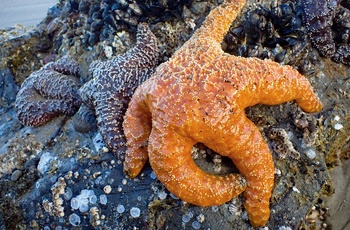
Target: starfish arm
column 269, row 83
column 318, row 20
column 67, row 65
column 34, row 110
column 45, row 95
column 241, row 141
column 219, row 21
column 55, row 85
column 137, row 128
column 170, row 158
column 87, row 93
column 110, row 109
column 145, row 53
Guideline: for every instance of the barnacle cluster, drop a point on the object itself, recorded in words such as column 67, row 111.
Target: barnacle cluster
column 19, row 150
column 281, row 143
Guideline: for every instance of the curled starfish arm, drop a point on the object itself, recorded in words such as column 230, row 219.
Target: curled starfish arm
column 137, row 128
column 34, row 110
column 175, row 168
column 45, row 95
column 243, row 143
column 54, row 85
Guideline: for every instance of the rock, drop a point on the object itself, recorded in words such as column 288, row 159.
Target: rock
column 72, row 162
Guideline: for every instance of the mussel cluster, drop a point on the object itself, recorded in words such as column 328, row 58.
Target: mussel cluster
column 90, row 21
column 341, row 29
column 275, row 32
column 341, row 26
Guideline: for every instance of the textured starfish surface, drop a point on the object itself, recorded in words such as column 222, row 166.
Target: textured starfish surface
column 114, row 81
column 319, row 16
column 49, row 92
column 199, row 95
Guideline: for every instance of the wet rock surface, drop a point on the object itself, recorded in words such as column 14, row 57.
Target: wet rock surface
column 52, row 177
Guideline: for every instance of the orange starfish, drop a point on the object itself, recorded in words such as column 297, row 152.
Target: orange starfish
column 199, row 95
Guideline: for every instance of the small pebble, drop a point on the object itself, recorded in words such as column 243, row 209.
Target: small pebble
column 103, row 199
column 68, row 194
column 74, row 203
column 173, row 196
column 91, row 193
column 16, row 175
column 85, row 193
column 295, row 189
column 186, row 217
column 338, row 126
column 310, row 153
column 135, row 212
column 162, row 195
column 233, row 208
column 107, row 189
column 120, row 208
column 74, row 219
column 153, row 175
column 200, row 218
column 196, row 225
column 93, row 199
column 83, row 200
column 83, row 208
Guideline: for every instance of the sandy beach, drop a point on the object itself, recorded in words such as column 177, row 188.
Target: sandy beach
column 27, row 13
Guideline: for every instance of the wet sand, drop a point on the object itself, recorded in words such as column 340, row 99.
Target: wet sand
column 27, row 13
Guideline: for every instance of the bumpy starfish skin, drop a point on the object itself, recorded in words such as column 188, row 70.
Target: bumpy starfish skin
column 114, row 82
column 199, row 95
column 49, row 92
column 318, row 18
